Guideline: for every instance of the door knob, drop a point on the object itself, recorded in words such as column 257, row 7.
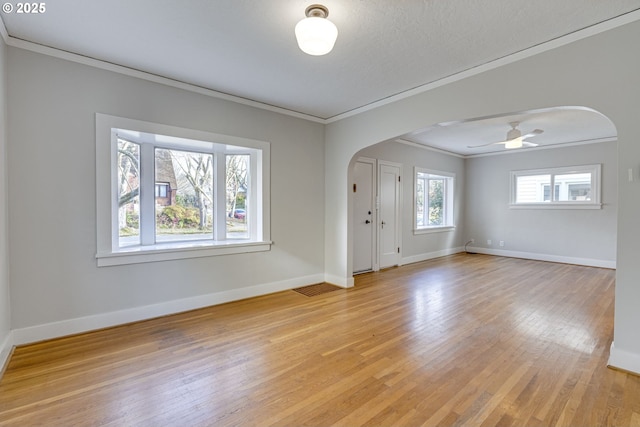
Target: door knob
column 367, row 222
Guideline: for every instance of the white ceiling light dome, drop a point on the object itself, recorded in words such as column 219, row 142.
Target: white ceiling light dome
column 316, row 35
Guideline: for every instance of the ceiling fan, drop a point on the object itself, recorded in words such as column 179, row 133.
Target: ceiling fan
column 515, row 138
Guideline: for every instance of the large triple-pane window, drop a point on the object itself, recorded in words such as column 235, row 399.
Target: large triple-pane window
column 170, row 194
column 433, row 199
column 574, row 186
column 184, row 188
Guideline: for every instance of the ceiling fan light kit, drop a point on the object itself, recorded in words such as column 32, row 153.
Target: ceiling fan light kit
column 316, row 35
column 513, row 143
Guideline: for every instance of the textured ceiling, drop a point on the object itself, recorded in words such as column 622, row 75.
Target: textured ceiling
column 247, row 48
column 566, row 125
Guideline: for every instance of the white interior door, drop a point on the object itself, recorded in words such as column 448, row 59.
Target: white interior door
column 389, row 214
column 363, row 215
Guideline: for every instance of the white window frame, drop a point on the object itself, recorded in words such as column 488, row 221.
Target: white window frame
column 108, row 250
column 595, row 203
column 449, row 193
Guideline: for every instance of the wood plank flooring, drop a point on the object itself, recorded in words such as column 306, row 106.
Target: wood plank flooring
column 464, row 340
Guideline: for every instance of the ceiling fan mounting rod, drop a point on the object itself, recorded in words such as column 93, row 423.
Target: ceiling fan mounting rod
column 514, row 133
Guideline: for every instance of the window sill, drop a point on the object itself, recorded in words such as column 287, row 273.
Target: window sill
column 556, row 206
column 173, row 251
column 430, row 230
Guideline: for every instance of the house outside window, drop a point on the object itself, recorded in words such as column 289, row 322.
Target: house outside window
column 171, row 193
column 574, row 187
column 433, row 201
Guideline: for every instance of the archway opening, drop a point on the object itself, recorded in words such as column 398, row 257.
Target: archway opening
column 471, row 157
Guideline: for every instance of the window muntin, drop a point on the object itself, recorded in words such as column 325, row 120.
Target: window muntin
column 129, row 194
column 546, row 189
column 577, row 186
column 433, row 200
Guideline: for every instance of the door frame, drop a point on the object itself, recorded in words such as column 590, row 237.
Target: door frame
column 398, row 209
column 374, row 215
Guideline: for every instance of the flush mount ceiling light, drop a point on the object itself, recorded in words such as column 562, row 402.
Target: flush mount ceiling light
column 316, row 35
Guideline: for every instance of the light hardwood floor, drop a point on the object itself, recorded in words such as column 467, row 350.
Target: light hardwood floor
column 467, row 340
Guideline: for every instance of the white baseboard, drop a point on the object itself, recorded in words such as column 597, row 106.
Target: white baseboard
column 430, row 255
column 624, row 360
column 84, row 324
column 545, row 257
column 6, row 348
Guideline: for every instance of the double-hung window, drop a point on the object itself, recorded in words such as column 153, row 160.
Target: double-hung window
column 172, row 193
column 433, row 200
column 572, row 187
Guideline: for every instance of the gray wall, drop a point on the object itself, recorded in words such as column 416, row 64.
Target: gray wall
column 423, row 246
column 482, row 205
column 5, row 312
column 52, row 212
column 559, row 234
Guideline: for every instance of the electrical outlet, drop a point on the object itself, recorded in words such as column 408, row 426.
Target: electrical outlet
column 489, row 242
column 501, row 242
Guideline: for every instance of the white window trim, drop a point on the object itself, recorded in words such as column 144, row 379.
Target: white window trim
column 450, row 226
column 595, row 170
column 108, row 253
column 434, row 229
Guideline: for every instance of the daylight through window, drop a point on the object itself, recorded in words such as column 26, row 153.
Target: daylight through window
column 577, row 186
column 433, row 200
column 172, row 193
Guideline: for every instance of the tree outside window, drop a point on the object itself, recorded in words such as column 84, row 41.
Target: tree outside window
column 128, row 164
column 237, row 187
column 184, row 194
column 168, row 193
column 434, row 200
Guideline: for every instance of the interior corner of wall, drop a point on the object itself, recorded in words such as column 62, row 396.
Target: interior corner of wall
column 624, row 360
column 6, row 348
column 343, row 282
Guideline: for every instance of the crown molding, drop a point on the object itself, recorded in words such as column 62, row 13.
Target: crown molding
column 505, row 60
column 429, row 148
column 505, row 152
column 120, row 69
column 526, row 53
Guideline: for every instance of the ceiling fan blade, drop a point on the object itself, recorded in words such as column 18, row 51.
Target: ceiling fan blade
column 527, row 143
column 486, row 145
column 532, row 133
